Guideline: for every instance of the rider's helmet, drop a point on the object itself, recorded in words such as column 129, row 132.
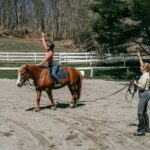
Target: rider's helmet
column 51, row 46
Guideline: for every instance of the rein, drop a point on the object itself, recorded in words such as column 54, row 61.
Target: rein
column 29, row 82
column 34, row 90
column 129, row 90
column 131, row 84
column 114, row 93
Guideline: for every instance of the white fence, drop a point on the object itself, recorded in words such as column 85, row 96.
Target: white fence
column 74, row 58
column 82, row 69
column 60, row 57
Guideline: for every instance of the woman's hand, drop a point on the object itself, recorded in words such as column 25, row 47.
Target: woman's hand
column 135, row 82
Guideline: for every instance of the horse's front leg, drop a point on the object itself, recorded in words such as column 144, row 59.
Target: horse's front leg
column 49, row 92
column 37, row 107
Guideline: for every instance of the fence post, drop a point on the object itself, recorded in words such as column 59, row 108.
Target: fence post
column 7, row 57
column 90, row 60
column 35, row 57
column 128, row 72
column 91, row 75
column 86, row 58
column 124, row 62
column 60, row 58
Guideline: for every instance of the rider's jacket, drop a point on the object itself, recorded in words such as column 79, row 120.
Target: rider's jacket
column 144, row 81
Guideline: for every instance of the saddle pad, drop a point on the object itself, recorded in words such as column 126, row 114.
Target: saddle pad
column 61, row 74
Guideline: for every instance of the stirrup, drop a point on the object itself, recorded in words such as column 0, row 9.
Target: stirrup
column 57, row 85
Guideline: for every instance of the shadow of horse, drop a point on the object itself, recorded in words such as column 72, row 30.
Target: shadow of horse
column 59, row 105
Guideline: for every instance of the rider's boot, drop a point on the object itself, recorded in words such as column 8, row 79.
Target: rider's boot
column 57, row 85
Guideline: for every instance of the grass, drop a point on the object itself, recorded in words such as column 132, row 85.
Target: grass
column 112, row 74
column 19, row 45
column 8, row 74
column 31, row 45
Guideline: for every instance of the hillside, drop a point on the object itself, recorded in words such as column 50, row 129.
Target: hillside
column 34, row 45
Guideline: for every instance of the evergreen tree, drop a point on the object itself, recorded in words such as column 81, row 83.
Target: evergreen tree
column 117, row 22
column 109, row 23
column 141, row 14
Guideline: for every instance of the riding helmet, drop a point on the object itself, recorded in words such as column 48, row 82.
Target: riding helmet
column 51, row 46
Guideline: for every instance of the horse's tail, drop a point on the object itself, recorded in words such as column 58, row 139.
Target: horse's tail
column 79, row 86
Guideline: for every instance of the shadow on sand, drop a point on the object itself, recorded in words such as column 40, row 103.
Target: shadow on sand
column 59, row 105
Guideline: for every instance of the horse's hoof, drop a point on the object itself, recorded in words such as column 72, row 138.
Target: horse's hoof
column 71, row 105
column 36, row 109
column 53, row 107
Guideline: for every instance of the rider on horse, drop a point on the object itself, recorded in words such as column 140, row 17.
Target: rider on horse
column 54, row 66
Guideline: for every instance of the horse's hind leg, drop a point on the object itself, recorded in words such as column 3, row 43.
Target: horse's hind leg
column 49, row 92
column 73, row 93
column 37, row 107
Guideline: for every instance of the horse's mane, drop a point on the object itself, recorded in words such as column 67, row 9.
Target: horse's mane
column 38, row 66
column 43, row 67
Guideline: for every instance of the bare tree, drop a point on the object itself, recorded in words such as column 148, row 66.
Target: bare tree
column 57, row 17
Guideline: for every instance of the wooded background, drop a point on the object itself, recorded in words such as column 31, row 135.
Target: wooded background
column 59, row 18
column 111, row 25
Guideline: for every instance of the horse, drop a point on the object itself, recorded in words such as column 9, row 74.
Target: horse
column 43, row 81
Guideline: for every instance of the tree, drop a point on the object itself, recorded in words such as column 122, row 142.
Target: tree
column 55, row 17
column 109, row 24
column 117, row 22
column 141, row 14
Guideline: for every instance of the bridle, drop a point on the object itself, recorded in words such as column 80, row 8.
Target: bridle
column 25, row 77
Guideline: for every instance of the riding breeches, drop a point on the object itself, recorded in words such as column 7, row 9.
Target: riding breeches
column 144, row 97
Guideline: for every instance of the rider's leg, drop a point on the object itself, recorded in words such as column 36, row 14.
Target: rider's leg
column 54, row 73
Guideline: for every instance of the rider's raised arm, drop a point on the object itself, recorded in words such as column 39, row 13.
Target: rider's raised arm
column 44, row 42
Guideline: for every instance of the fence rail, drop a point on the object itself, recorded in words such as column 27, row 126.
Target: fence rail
column 60, row 57
column 74, row 58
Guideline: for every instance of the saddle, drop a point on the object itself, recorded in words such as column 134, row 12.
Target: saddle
column 61, row 73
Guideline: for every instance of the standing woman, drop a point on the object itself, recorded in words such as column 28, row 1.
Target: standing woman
column 144, row 95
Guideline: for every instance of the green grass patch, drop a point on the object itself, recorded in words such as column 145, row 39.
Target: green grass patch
column 107, row 74
column 28, row 45
column 8, row 74
column 114, row 74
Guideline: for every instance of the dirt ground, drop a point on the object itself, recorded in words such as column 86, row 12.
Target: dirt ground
column 96, row 124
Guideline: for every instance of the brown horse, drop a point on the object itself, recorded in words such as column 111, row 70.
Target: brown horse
column 42, row 81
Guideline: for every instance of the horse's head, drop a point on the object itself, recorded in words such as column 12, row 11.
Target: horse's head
column 23, row 75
